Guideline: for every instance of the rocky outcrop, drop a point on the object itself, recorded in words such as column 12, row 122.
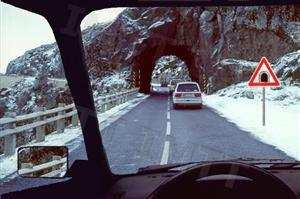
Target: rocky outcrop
column 229, row 71
column 32, row 94
column 204, row 37
column 46, row 58
column 232, row 71
column 288, row 67
column 42, row 60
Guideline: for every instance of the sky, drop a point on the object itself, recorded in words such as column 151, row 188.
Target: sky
column 22, row 30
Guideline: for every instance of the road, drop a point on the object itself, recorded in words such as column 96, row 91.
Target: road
column 154, row 133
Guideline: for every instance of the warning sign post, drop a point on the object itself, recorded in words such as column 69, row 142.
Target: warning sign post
column 263, row 76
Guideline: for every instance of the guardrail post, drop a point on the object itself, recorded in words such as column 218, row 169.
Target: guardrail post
column 10, row 142
column 27, row 166
column 40, row 131
column 109, row 104
column 60, row 124
column 54, row 158
column 119, row 100
column 75, row 119
column 115, row 101
column 102, row 106
column 9, row 145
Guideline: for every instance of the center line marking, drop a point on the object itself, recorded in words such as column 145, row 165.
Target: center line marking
column 168, row 115
column 165, row 155
column 168, row 131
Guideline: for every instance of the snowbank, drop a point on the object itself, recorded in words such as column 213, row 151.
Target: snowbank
column 282, row 128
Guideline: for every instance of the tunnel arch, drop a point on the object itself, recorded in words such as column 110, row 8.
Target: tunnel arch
column 144, row 63
column 263, row 77
column 169, row 67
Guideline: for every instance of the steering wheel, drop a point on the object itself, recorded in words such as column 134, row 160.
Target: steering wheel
column 264, row 180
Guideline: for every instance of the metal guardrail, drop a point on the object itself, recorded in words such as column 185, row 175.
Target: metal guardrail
column 59, row 115
column 32, row 169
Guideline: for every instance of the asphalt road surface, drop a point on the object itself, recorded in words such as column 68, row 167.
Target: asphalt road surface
column 154, row 133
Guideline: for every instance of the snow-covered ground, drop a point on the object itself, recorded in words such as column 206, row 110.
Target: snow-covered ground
column 242, row 106
column 72, row 137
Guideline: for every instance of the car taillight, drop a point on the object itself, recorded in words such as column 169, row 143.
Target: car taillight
column 197, row 94
column 177, row 94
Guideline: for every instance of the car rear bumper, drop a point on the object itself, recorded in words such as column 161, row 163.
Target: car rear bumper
column 187, row 101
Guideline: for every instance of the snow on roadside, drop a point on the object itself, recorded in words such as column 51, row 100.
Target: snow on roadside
column 72, row 137
column 243, row 107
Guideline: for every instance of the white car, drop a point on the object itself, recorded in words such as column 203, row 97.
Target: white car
column 187, row 94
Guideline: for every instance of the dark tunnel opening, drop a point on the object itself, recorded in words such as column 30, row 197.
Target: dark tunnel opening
column 264, row 77
column 144, row 64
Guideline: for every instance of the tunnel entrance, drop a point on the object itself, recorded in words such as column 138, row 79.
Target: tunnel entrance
column 144, row 64
column 167, row 69
column 264, row 77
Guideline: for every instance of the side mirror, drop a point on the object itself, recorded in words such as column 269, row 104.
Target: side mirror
column 43, row 161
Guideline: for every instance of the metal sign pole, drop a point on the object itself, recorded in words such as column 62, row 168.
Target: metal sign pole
column 264, row 107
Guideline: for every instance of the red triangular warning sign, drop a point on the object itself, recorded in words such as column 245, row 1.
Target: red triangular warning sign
column 264, row 75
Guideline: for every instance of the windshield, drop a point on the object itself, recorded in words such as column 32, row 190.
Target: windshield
column 36, row 105
column 187, row 88
column 132, row 56
column 217, row 48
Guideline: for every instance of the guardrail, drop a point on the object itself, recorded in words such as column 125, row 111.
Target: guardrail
column 28, row 169
column 38, row 120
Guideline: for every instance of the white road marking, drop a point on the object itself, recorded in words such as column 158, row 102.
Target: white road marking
column 168, row 131
column 165, row 155
column 166, row 150
column 168, row 115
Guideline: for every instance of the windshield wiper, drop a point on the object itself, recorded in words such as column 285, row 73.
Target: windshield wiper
column 247, row 159
column 292, row 165
column 275, row 163
column 162, row 168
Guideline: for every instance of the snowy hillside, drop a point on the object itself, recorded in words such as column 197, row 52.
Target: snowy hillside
column 112, row 83
column 32, row 94
column 46, row 58
column 288, row 67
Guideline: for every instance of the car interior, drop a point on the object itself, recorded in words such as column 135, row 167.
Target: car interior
column 234, row 178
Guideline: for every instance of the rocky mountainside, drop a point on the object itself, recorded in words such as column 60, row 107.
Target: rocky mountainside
column 234, row 71
column 32, row 94
column 46, row 58
column 213, row 36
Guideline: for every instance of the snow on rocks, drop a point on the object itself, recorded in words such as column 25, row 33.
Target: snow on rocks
column 288, row 67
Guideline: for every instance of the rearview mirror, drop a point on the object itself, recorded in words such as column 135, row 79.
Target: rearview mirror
column 43, row 161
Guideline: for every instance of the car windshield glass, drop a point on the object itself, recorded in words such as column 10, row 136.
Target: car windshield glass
column 36, row 105
column 187, row 88
column 132, row 55
column 141, row 50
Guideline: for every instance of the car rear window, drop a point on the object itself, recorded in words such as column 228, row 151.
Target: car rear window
column 187, row 88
